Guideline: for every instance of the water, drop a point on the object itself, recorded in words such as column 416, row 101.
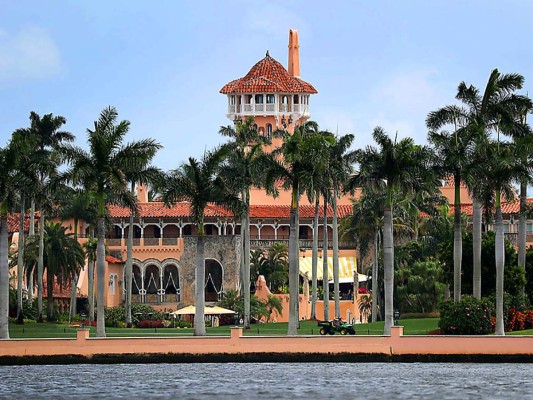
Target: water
column 269, row 381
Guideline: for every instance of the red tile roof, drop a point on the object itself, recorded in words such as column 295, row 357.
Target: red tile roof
column 159, row 210
column 13, row 223
column 507, row 207
column 268, row 75
column 113, row 260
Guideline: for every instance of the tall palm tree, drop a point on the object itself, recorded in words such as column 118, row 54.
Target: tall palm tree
column 102, row 169
column 144, row 175
column 244, row 170
column 453, row 155
column 63, row 257
column 198, row 182
column 364, row 226
column 7, row 188
column 339, row 169
column 294, row 164
column 90, row 247
column 403, row 167
column 79, row 206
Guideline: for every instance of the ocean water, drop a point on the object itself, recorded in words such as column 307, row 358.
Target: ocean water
column 269, row 381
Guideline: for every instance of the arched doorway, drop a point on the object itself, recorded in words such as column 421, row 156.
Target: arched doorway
column 213, row 280
column 137, row 291
column 171, row 284
column 152, row 283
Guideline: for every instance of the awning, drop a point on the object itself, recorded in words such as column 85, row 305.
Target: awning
column 347, row 266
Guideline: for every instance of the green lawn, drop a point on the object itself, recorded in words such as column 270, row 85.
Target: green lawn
column 45, row 330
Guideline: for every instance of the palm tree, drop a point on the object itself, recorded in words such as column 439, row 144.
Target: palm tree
column 295, row 162
column 144, row 175
column 245, row 167
column 198, row 183
column 102, row 169
column 7, row 188
column 63, row 257
column 453, row 155
column 90, row 247
column 45, row 134
column 273, row 303
column 79, row 206
column 403, row 167
column 364, row 226
column 339, row 169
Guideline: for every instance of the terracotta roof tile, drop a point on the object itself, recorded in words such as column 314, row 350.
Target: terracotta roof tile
column 268, row 75
column 113, row 260
column 159, row 210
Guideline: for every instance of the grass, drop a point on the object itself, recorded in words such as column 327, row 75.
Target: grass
column 53, row 330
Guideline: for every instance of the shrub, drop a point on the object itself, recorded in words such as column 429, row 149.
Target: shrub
column 434, row 314
column 469, row 316
column 150, row 324
column 184, row 324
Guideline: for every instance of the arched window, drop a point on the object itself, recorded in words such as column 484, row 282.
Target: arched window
column 213, row 280
column 258, row 99
column 296, row 99
column 187, row 230
column 269, row 131
column 270, row 98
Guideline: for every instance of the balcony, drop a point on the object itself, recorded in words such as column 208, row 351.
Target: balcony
column 304, row 244
column 269, row 108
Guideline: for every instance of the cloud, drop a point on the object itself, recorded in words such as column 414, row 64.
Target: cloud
column 28, row 54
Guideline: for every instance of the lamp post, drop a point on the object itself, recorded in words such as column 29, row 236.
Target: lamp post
column 83, row 316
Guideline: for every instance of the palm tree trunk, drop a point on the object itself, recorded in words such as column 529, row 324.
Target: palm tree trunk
column 73, row 293
column 199, row 321
column 90, row 283
column 500, row 261
column 375, row 269
column 4, row 275
column 100, row 278
column 314, row 260
column 325, row 270
column 477, row 249
column 388, row 265
column 294, row 273
column 20, row 261
column 336, row 293
column 31, row 233
column 457, row 242
column 40, row 269
column 522, row 226
column 246, row 271
column 128, row 281
column 73, row 290
column 49, row 294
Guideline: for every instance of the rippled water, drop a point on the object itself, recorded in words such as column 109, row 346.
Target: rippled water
column 269, row 381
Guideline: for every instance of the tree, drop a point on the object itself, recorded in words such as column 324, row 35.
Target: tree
column 452, row 155
column 102, row 169
column 46, row 135
column 244, row 170
column 198, row 182
column 294, row 163
column 79, row 205
column 339, row 169
column 90, row 247
column 275, row 266
column 144, row 175
column 403, row 167
column 7, row 186
column 63, row 258
column 273, row 304
column 365, row 226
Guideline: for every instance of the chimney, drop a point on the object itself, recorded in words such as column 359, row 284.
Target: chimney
column 142, row 193
column 294, row 53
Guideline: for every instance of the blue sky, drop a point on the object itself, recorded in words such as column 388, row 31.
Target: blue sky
column 162, row 63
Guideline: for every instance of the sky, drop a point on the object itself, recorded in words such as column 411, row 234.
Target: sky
column 162, row 63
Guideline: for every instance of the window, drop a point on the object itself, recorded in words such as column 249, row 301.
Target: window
column 118, row 232
column 232, row 100
column 506, row 228
column 136, row 232
column 269, row 131
column 302, row 232
column 187, row 230
column 529, row 227
column 157, row 232
column 259, row 99
column 296, row 99
column 209, row 230
column 255, row 126
column 270, row 99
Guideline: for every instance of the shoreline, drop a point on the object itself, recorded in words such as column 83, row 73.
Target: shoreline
column 266, row 349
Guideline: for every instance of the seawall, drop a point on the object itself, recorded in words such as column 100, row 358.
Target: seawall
column 239, row 348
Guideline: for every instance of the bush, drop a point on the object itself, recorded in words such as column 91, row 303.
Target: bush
column 469, row 316
column 434, row 314
column 183, row 324
column 150, row 324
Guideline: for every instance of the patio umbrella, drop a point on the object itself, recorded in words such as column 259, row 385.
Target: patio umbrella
column 189, row 310
column 216, row 310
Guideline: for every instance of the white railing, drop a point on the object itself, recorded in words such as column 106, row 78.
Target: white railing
column 270, row 108
column 259, row 107
column 247, row 108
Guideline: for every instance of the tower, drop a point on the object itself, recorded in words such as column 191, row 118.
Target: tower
column 277, row 98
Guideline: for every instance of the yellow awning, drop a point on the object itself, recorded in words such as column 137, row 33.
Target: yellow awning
column 347, row 266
